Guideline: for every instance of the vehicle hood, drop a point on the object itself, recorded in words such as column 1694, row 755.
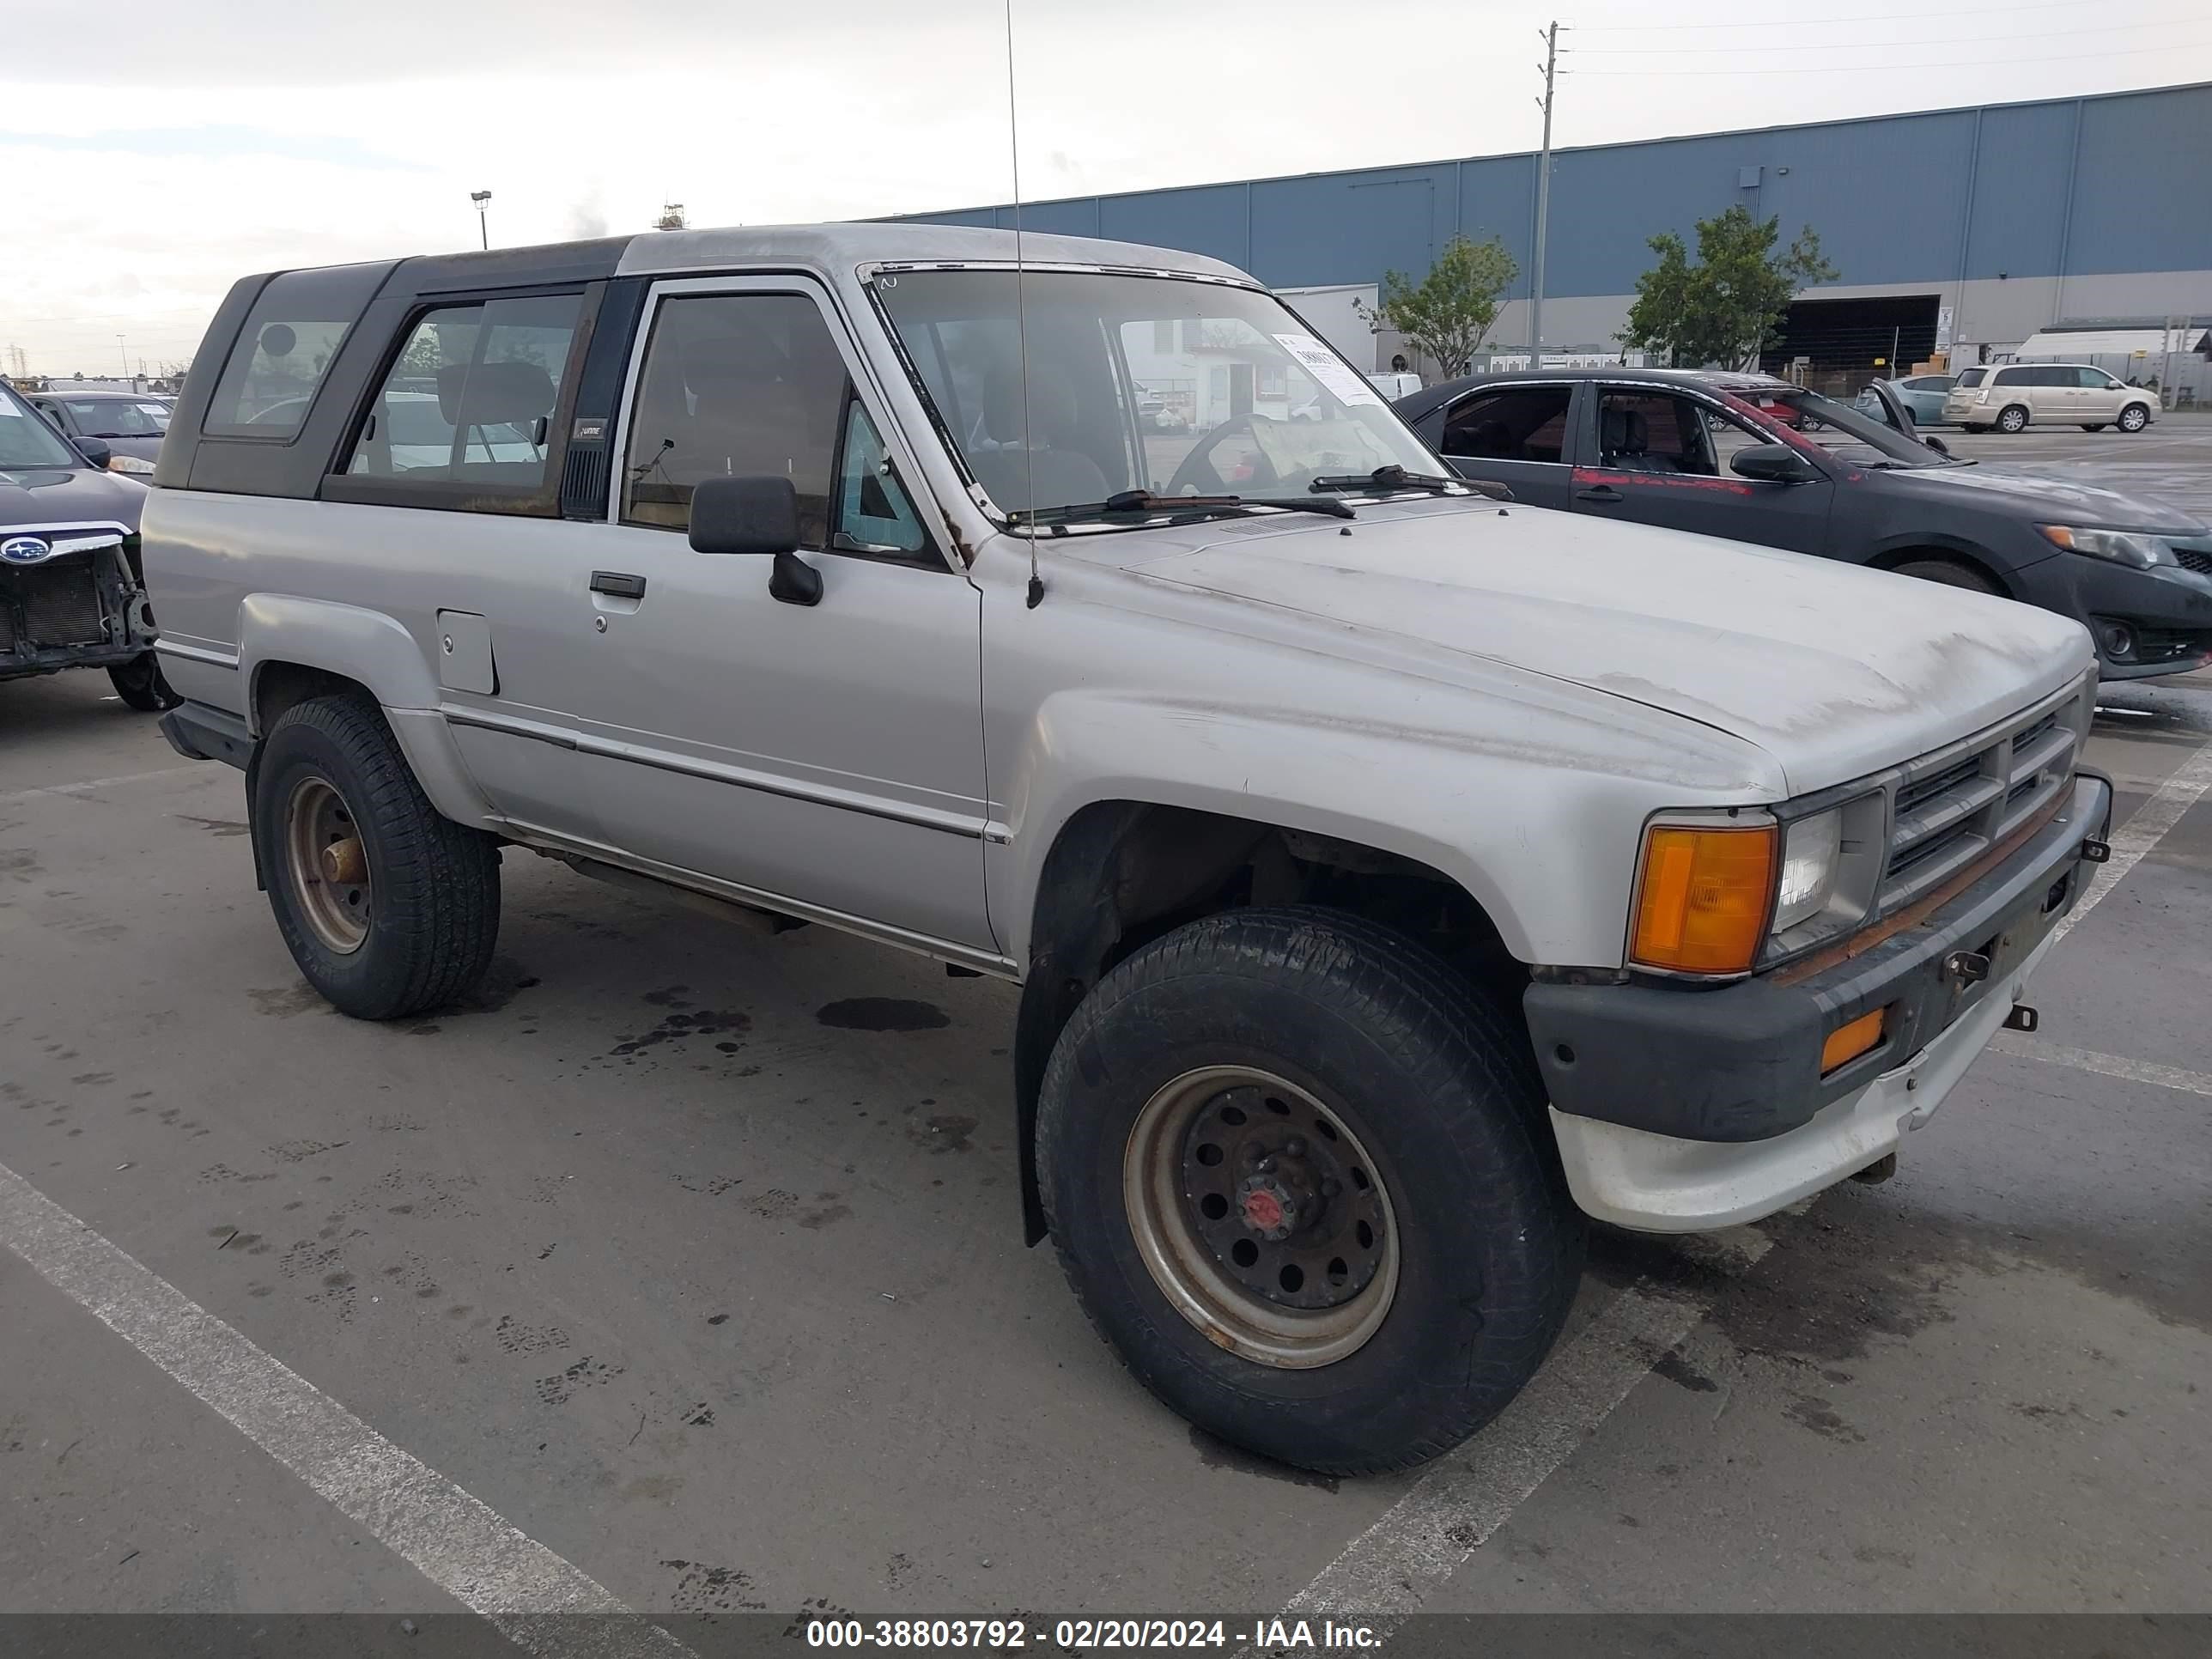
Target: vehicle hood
column 2041, row 499
column 30, row 496
column 1834, row 670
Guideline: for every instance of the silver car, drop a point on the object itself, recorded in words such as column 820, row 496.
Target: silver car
column 1395, row 875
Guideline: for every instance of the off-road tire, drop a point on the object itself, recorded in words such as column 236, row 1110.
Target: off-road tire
column 2014, row 419
column 433, row 910
column 1948, row 572
column 141, row 685
column 1434, row 1079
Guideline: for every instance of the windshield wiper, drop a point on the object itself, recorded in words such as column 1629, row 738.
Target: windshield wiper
column 1392, row 477
column 1143, row 504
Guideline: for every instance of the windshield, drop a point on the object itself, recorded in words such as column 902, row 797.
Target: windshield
column 1136, row 383
column 25, row 441
column 117, row 418
column 1847, row 433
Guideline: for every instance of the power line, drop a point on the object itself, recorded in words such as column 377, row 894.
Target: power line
column 1891, row 68
column 1839, row 45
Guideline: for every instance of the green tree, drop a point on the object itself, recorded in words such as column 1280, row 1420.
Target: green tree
column 1728, row 306
column 1446, row 315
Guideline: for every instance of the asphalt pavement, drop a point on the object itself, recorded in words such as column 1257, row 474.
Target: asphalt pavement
column 682, row 1267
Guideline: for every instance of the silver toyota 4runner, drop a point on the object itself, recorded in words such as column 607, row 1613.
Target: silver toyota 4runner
column 1394, row 875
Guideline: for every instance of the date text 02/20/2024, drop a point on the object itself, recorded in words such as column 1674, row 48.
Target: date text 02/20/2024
column 1005, row 1635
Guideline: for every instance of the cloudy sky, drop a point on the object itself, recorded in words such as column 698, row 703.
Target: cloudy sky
column 152, row 154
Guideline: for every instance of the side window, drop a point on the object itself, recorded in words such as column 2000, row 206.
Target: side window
column 741, row 384
column 470, row 395
column 2011, row 377
column 289, row 340
column 52, row 411
column 874, row 515
column 1520, row 424
column 1652, row 432
column 1728, row 434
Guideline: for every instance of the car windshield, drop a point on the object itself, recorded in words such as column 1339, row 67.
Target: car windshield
column 1851, row 434
column 117, row 418
column 28, row 441
column 1134, row 383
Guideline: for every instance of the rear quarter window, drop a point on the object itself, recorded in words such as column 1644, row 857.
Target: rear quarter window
column 290, row 338
column 1972, row 377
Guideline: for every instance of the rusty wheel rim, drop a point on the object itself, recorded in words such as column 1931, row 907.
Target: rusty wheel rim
column 327, row 863
column 1260, row 1217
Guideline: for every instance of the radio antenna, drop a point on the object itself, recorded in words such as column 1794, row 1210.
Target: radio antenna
column 1021, row 315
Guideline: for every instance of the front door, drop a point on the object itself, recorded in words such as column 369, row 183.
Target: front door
column 830, row 754
column 2100, row 395
column 1515, row 435
column 1662, row 458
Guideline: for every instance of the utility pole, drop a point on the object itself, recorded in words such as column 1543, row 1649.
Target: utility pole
column 1543, row 201
column 122, row 352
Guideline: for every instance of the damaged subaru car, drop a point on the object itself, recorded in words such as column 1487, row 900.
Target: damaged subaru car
column 71, row 594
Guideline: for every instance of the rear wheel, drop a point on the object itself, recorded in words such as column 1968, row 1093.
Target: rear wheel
column 1949, row 573
column 141, row 685
column 2014, row 418
column 389, row 908
column 1299, row 1174
column 2134, row 419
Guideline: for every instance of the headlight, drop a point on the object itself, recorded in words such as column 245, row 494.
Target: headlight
column 131, row 465
column 1811, row 852
column 2120, row 546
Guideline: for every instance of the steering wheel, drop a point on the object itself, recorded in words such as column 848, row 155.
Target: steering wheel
column 1198, row 474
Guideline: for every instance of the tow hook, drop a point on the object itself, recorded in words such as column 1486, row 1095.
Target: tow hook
column 1967, row 967
column 2021, row 1017
column 2095, row 851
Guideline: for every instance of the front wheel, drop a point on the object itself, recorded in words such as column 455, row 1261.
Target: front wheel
column 2134, row 419
column 389, row 908
column 1948, row 574
column 1298, row 1173
column 2014, row 419
column 141, row 685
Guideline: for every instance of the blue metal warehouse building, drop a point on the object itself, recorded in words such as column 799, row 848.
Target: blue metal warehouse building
column 1997, row 222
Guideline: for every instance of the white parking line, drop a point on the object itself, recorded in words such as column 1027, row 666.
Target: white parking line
column 2088, row 1059
column 1462, row 1498
column 526, row 1591
column 2183, row 786
column 91, row 784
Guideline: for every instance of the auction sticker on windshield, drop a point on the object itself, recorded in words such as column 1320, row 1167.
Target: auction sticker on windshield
column 1329, row 370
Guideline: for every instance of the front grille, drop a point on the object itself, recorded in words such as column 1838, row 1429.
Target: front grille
column 1953, row 805
column 56, row 603
column 2169, row 644
column 2194, row 559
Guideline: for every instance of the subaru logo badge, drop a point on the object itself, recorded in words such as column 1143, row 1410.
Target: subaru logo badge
column 25, row 549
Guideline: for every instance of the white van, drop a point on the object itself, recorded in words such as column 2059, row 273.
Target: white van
column 2010, row 396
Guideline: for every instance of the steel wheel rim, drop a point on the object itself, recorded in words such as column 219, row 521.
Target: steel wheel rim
column 327, row 862
column 1165, row 1181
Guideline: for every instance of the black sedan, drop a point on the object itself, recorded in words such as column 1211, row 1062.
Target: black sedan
column 1756, row 459
column 132, row 424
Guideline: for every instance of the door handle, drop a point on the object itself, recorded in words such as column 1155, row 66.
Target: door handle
column 1599, row 493
column 617, row 584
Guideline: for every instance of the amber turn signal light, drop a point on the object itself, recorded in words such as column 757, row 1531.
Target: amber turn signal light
column 1847, row 1042
column 1702, row 904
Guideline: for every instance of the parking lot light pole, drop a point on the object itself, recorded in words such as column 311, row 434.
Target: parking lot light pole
column 483, row 199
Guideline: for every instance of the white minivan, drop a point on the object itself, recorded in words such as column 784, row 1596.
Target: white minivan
column 2012, row 395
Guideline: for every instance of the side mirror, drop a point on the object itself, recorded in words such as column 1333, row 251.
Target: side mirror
column 756, row 515
column 95, row 452
column 1936, row 444
column 1773, row 464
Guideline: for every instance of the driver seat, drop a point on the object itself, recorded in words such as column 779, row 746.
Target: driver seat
column 1015, row 475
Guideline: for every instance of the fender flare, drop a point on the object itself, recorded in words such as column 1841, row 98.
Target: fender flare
column 376, row 652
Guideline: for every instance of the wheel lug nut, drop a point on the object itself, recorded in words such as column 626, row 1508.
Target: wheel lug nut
column 1268, row 1162
column 1294, row 1146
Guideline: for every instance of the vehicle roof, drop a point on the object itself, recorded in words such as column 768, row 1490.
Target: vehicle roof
column 1414, row 405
